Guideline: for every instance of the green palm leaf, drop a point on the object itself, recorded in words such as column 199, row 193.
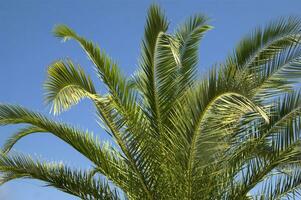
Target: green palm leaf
column 234, row 133
column 77, row 183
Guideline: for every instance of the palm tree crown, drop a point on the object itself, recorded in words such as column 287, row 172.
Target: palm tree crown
column 232, row 134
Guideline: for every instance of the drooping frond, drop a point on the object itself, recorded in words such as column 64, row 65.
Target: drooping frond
column 66, row 85
column 107, row 69
column 78, row 183
column 82, row 141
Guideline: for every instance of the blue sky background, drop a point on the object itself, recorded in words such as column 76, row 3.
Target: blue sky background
column 27, row 47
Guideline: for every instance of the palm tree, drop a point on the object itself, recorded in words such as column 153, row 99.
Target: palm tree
column 233, row 134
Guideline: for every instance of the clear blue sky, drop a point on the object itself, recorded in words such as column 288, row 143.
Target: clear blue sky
column 27, row 47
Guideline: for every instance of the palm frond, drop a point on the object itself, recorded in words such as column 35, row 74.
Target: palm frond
column 264, row 43
column 107, row 69
column 279, row 134
column 279, row 75
column 10, row 142
column 282, row 186
column 77, row 183
column 156, row 24
column 64, row 80
column 220, row 137
column 189, row 35
column 257, row 170
column 83, row 141
column 66, row 85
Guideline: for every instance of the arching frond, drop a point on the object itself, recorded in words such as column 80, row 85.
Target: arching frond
column 82, row 141
column 189, row 35
column 269, row 52
column 156, row 24
column 279, row 75
column 66, row 85
column 266, row 42
column 282, row 131
column 208, row 113
column 8, row 145
column 107, row 69
column 77, row 183
column 167, row 57
column 257, row 169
